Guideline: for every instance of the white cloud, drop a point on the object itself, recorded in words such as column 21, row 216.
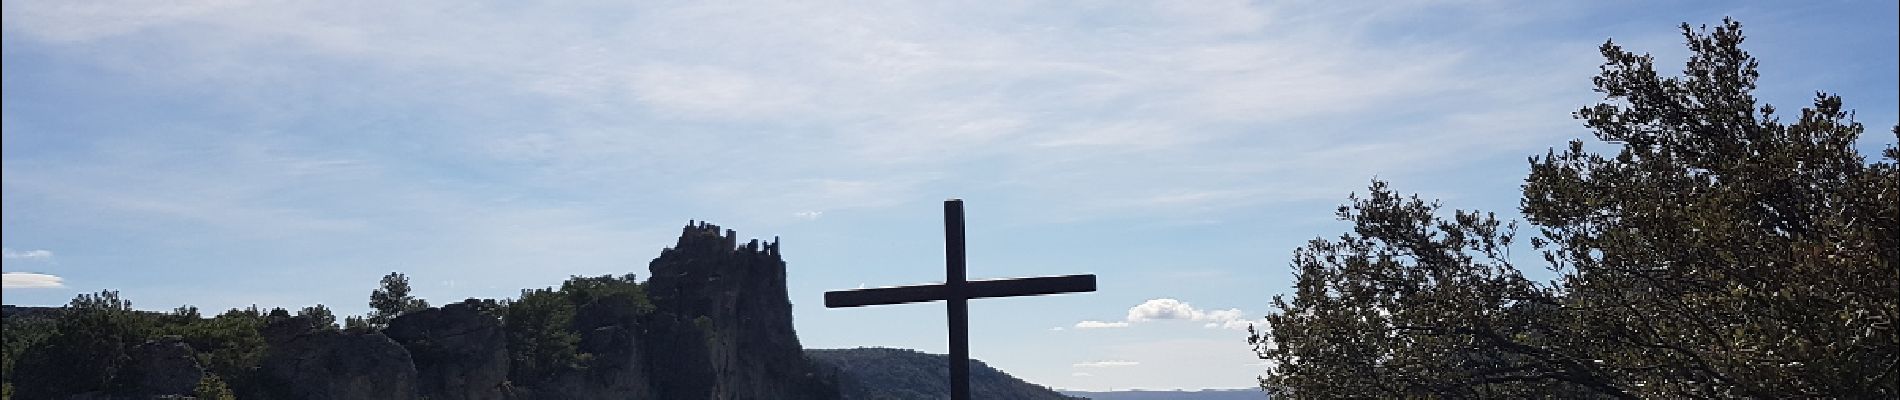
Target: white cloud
column 1163, row 309
column 1055, row 329
column 808, row 215
column 1108, row 364
column 35, row 255
column 29, row 280
column 1099, row 324
column 1173, row 309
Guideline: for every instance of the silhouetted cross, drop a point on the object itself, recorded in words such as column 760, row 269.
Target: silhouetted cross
column 956, row 291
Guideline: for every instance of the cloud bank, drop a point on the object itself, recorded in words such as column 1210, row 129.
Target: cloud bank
column 1108, row 364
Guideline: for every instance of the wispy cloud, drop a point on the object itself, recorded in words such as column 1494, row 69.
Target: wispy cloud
column 29, row 280
column 1107, row 364
column 1147, row 113
column 1099, row 324
column 34, row 255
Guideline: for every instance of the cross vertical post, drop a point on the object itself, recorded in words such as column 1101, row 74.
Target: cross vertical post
column 959, row 303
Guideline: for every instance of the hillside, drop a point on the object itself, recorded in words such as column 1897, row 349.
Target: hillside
column 885, row 373
column 1208, row 394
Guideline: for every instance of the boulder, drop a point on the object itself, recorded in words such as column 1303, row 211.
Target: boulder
column 330, row 364
column 459, row 352
column 166, row 366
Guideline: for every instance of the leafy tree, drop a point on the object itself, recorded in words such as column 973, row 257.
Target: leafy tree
column 320, row 316
column 540, row 342
column 606, row 300
column 392, row 298
column 184, row 314
column 1413, row 304
column 229, row 345
column 356, row 324
column 544, row 325
column 22, row 333
column 1718, row 252
column 212, row 388
column 91, row 346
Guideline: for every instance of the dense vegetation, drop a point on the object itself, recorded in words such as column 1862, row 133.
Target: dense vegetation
column 86, row 346
column 889, row 374
column 1716, row 252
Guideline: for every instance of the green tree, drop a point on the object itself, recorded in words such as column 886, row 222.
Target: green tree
column 228, row 345
column 212, row 388
column 540, row 340
column 22, row 333
column 88, row 351
column 392, row 298
column 320, row 316
column 356, row 324
column 1717, row 252
column 544, row 325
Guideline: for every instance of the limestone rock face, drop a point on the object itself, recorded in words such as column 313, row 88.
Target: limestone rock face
column 722, row 326
column 166, row 366
column 340, row 365
column 459, row 352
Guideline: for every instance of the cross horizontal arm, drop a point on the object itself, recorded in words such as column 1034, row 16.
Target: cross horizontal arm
column 972, row 290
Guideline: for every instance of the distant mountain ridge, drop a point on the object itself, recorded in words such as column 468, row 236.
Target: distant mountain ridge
column 876, row 373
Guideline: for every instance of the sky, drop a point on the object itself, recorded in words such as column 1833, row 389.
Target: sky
column 229, row 153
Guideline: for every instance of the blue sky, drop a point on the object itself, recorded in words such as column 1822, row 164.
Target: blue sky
column 226, row 153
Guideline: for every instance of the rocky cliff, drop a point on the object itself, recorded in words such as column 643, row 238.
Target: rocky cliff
column 722, row 326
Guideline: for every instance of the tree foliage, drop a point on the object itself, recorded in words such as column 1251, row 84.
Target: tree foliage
column 1717, row 252
column 320, row 316
column 89, row 348
column 540, row 344
column 21, row 333
column 212, row 388
column 392, row 298
column 544, row 326
column 228, row 345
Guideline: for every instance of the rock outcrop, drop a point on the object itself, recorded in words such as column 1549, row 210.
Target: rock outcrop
column 459, row 352
column 722, row 328
column 328, row 364
column 166, row 367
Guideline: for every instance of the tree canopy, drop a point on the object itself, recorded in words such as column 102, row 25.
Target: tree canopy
column 391, row 298
column 88, row 346
column 1718, row 251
